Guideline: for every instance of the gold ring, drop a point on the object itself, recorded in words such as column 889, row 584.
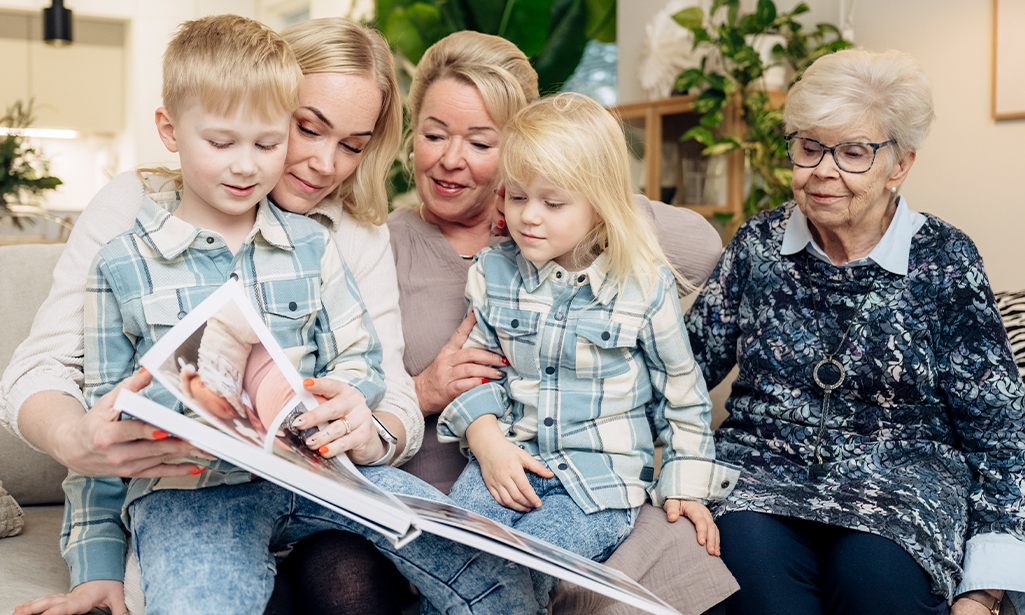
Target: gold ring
column 348, row 427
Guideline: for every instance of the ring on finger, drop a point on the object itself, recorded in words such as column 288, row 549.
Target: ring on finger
column 348, row 427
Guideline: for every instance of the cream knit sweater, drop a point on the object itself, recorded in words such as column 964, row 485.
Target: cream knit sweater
column 51, row 357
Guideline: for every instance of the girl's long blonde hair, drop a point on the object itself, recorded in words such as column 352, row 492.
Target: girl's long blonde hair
column 577, row 144
column 337, row 45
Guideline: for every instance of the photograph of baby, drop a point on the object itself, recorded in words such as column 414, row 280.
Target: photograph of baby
column 233, row 381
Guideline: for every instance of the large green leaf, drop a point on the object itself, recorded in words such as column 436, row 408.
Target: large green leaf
column 766, row 12
column 601, row 20
column 564, row 46
column 414, row 28
column 690, row 18
column 526, row 23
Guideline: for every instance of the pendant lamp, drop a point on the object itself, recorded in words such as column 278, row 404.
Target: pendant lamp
column 57, row 24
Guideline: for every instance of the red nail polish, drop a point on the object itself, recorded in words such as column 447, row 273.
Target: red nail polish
column 505, row 361
column 500, row 224
column 308, row 382
column 142, row 370
column 484, row 381
column 323, row 450
column 196, row 471
column 160, row 435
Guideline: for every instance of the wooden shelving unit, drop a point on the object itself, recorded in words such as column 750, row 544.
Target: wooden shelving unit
column 663, row 122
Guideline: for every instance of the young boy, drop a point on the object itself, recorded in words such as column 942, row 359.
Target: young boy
column 230, row 86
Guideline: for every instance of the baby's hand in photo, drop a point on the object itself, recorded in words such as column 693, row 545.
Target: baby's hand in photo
column 708, row 533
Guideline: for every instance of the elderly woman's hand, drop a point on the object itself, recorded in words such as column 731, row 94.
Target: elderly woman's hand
column 345, row 420
column 456, row 370
column 965, row 606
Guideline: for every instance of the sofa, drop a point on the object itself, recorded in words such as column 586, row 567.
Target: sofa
column 30, row 562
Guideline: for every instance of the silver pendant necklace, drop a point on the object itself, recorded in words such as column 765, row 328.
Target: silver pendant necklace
column 828, row 386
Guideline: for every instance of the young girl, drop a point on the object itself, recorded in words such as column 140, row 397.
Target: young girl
column 584, row 307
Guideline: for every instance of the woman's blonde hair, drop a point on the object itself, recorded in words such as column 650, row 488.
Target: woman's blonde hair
column 337, row 45
column 854, row 86
column 575, row 143
column 496, row 67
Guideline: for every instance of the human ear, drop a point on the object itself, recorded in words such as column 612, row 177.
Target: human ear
column 165, row 128
column 900, row 170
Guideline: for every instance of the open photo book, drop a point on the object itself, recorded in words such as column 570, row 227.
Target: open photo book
column 240, row 394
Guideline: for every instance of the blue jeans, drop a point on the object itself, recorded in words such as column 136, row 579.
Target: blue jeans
column 559, row 521
column 788, row 566
column 211, row 549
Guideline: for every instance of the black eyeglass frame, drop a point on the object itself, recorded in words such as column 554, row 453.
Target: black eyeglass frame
column 832, row 151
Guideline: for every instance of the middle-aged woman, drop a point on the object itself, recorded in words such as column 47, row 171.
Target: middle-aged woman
column 467, row 86
column 342, row 142
column 878, row 412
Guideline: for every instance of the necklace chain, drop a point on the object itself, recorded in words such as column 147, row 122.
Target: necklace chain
column 420, row 210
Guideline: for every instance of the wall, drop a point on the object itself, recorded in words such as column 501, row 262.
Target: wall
column 970, row 172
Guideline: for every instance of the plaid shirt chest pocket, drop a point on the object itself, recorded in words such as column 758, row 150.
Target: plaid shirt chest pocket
column 162, row 309
column 290, row 305
column 517, row 335
column 605, row 349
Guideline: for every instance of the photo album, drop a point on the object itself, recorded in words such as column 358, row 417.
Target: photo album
column 240, row 394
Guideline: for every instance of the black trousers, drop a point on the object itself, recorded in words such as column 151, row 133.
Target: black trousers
column 788, row 566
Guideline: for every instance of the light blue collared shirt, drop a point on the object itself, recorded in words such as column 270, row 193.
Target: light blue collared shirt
column 891, row 253
column 992, row 561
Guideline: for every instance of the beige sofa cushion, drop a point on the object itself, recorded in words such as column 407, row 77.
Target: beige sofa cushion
column 26, row 273
column 11, row 517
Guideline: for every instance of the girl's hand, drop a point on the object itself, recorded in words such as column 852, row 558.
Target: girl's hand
column 708, row 533
column 345, row 422
column 82, row 599
column 456, row 370
column 98, row 443
column 502, row 464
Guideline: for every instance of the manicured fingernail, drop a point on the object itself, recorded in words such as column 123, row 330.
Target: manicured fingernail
column 505, row 361
column 299, row 422
column 323, row 450
column 484, row 381
column 197, row 471
column 308, row 382
column 500, row 224
column 142, row 370
column 160, row 435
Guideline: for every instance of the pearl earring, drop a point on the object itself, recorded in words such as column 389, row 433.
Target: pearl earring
column 893, row 190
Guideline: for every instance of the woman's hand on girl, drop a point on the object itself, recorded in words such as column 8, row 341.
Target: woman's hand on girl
column 346, row 424
column 708, row 533
column 456, row 370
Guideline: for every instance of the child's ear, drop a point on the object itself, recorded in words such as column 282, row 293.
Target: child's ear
column 165, row 128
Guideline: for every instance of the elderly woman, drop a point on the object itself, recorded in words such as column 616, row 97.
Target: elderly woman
column 878, row 412
column 467, row 86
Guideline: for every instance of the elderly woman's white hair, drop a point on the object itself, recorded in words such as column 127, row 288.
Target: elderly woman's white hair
column 853, row 86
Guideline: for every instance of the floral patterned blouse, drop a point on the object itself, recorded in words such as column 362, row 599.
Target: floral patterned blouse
column 924, row 440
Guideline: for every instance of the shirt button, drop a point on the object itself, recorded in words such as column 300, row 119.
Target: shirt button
column 209, row 239
column 181, row 315
column 234, row 276
column 293, row 306
column 725, row 484
column 558, row 275
column 559, row 316
column 605, row 335
column 581, row 279
column 549, row 370
column 522, row 448
column 563, row 466
column 549, row 422
column 515, row 323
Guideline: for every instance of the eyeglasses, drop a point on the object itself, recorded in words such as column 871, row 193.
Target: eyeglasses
column 849, row 157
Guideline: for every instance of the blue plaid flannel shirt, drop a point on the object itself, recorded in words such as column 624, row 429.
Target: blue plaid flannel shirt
column 146, row 280
column 594, row 374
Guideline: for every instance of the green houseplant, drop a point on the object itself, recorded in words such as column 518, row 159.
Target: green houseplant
column 23, row 169
column 732, row 73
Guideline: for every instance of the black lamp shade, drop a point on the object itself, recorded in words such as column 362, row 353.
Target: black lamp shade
column 57, row 24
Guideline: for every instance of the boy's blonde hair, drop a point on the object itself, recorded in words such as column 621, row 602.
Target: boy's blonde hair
column 577, row 144
column 227, row 63
column 496, row 67
column 337, row 45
